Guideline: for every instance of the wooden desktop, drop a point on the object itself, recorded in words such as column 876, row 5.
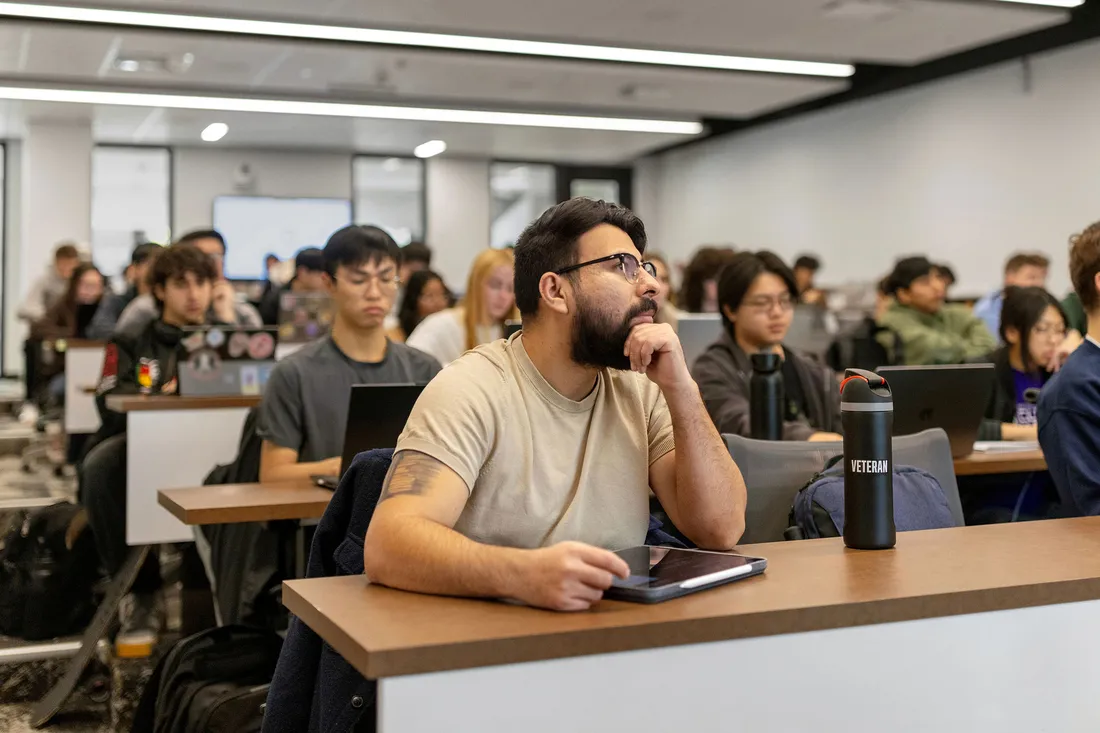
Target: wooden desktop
column 988, row 628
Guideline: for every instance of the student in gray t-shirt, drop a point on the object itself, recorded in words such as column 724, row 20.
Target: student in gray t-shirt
column 305, row 405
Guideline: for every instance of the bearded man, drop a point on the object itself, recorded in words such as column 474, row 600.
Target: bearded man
column 527, row 462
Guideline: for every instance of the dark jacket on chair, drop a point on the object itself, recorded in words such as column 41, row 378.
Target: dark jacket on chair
column 723, row 373
column 314, row 689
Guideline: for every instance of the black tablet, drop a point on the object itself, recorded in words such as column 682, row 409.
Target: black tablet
column 660, row 573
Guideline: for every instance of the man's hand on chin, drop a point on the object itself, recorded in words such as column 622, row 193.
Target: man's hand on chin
column 655, row 351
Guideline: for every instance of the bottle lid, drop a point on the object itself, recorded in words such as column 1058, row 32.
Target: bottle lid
column 864, row 391
column 765, row 361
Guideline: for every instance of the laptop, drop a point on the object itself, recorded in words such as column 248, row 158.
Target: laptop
column 376, row 417
column 304, row 317
column 696, row 332
column 950, row 397
column 222, row 361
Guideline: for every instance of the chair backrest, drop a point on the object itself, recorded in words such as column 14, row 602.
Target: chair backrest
column 774, row 471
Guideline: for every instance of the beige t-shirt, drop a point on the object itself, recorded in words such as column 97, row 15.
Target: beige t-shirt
column 542, row 468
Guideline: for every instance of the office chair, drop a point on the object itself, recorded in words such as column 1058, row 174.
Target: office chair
column 774, row 471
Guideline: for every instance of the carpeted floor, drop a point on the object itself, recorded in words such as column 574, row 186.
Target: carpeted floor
column 21, row 485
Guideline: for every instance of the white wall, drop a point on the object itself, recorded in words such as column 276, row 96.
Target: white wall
column 202, row 174
column 458, row 215
column 968, row 170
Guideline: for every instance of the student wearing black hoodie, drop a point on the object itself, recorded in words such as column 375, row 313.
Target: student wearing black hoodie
column 141, row 359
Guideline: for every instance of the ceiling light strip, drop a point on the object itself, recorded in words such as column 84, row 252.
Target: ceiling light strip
column 1049, row 3
column 281, row 29
column 337, row 109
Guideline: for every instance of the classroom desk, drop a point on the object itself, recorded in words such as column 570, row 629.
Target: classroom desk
column 173, row 442
column 987, row 628
column 83, row 365
column 229, row 503
column 980, row 464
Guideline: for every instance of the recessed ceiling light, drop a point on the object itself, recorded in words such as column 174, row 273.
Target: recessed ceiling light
column 127, row 64
column 339, row 109
column 429, row 149
column 347, row 34
column 214, row 132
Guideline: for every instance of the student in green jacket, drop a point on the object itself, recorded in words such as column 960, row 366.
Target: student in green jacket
column 931, row 332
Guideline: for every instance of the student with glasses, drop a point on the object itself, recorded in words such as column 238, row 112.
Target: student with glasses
column 305, row 404
column 1033, row 327
column 757, row 294
column 489, row 301
column 526, row 461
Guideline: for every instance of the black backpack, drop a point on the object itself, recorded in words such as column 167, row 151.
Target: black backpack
column 818, row 509
column 213, row 682
column 49, row 569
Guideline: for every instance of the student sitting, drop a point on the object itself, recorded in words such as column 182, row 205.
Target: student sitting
column 44, row 292
column 931, row 332
column 309, row 277
column 1033, row 327
column 69, row 318
column 1069, row 406
column 489, row 302
column 1023, row 270
column 699, row 291
column 757, row 294
column 141, row 361
column 425, row 294
column 527, row 460
column 224, row 305
column 137, row 284
column 305, row 405
column 805, row 270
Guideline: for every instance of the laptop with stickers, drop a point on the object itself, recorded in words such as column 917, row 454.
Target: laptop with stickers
column 220, row 361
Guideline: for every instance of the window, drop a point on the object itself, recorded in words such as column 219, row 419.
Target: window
column 389, row 193
column 519, row 193
column 131, row 203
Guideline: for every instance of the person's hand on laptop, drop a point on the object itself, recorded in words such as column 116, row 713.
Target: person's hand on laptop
column 331, row 466
column 568, row 576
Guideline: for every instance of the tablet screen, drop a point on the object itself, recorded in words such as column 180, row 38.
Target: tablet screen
column 654, row 567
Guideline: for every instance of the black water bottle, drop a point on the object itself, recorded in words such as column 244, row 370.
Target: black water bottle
column 766, row 397
column 867, row 413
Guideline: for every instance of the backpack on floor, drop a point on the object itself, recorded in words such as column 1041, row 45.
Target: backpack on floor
column 49, row 568
column 818, row 510
column 213, row 682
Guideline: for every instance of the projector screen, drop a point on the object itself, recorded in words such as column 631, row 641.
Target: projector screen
column 254, row 226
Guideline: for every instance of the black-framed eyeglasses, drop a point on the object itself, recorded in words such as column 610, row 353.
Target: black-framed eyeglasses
column 628, row 266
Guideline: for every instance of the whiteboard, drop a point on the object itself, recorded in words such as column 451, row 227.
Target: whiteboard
column 254, row 226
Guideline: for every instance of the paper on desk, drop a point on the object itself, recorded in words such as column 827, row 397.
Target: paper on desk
column 1005, row 446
